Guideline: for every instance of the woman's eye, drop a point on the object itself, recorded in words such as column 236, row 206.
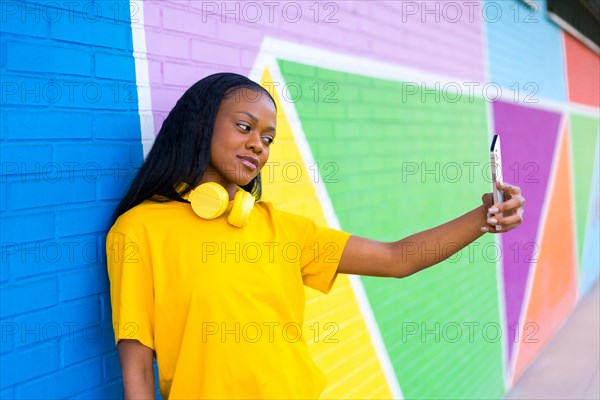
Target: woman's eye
column 245, row 127
column 268, row 139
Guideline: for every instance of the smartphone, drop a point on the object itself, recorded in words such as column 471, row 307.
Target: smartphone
column 496, row 167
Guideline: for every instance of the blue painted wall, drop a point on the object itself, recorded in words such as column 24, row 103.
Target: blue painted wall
column 69, row 124
column 525, row 51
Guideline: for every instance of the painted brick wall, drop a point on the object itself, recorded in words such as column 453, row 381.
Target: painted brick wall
column 190, row 39
column 385, row 87
column 70, row 137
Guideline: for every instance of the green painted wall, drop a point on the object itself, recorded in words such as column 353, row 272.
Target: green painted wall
column 584, row 142
column 395, row 164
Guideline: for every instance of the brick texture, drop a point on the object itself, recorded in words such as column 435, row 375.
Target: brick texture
column 70, row 137
column 69, row 124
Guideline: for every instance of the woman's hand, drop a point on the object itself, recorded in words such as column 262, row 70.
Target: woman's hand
column 511, row 208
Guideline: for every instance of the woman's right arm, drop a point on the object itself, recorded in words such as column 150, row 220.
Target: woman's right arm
column 137, row 367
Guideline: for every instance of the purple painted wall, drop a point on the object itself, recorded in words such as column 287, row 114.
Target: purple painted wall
column 528, row 142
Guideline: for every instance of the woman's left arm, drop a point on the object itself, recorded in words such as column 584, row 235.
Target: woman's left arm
column 414, row 253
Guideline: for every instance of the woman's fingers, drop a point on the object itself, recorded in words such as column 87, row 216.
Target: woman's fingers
column 511, row 209
column 510, row 220
column 514, row 198
column 512, row 206
column 508, row 188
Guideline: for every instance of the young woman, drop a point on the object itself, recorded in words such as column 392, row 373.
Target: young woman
column 210, row 281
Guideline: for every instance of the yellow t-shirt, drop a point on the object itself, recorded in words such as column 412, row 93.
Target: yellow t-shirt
column 222, row 307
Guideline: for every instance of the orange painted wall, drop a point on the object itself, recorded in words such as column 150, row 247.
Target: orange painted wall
column 554, row 287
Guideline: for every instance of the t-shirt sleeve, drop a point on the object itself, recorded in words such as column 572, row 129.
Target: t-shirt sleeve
column 321, row 256
column 321, row 249
column 131, row 290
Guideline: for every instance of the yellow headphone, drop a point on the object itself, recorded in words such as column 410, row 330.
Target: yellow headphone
column 209, row 200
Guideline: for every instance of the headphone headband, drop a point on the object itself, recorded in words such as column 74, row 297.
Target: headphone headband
column 209, row 200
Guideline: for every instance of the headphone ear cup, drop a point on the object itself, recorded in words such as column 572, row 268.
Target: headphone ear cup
column 209, row 200
column 242, row 207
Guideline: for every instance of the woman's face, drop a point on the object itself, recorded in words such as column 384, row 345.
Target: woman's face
column 244, row 130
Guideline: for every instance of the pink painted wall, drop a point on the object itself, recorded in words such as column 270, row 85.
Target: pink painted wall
column 187, row 40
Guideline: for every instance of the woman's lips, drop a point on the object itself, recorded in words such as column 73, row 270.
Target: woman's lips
column 250, row 162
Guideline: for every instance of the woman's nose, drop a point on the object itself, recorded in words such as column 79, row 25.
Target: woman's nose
column 254, row 142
